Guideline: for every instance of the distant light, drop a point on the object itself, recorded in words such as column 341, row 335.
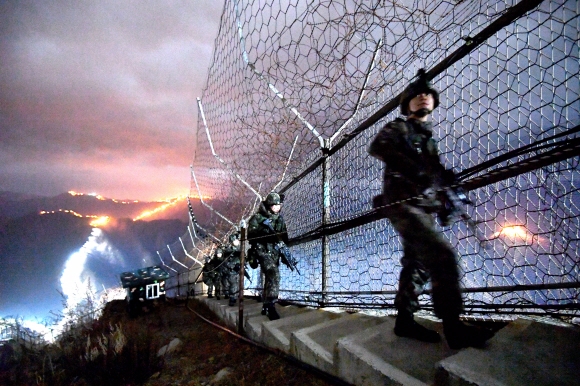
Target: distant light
column 515, row 234
column 101, row 221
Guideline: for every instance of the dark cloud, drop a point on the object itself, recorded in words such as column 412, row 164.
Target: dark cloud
column 97, row 94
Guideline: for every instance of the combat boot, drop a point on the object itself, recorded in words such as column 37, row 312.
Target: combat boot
column 271, row 312
column 460, row 335
column 405, row 326
column 232, row 301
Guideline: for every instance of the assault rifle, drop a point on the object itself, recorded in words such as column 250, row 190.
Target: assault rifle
column 281, row 248
column 453, row 201
column 286, row 256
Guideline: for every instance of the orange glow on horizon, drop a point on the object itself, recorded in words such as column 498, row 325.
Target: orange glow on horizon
column 169, row 203
column 102, row 198
column 203, row 197
column 100, row 221
column 66, row 211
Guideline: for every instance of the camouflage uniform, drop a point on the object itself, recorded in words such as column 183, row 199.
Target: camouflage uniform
column 263, row 239
column 216, row 272
column 412, row 169
column 210, row 276
column 232, row 269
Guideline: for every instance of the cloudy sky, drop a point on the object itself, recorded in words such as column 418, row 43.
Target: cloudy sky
column 100, row 96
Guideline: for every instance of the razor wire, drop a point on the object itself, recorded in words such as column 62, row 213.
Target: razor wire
column 329, row 73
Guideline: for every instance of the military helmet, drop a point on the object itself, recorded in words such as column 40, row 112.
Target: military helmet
column 234, row 236
column 234, row 239
column 420, row 86
column 273, row 199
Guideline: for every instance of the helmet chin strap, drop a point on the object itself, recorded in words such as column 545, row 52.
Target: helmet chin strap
column 421, row 113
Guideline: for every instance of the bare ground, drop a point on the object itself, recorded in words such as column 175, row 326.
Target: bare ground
column 208, row 355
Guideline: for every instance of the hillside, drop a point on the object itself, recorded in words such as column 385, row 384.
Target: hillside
column 35, row 250
column 206, row 354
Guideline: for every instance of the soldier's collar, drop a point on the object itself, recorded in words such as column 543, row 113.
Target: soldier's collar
column 421, row 126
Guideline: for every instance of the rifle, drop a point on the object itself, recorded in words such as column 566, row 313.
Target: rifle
column 453, row 200
column 246, row 274
column 286, row 256
column 281, row 248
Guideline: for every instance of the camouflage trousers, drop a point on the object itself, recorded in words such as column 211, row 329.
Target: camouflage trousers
column 233, row 283
column 224, row 284
column 218, row 286
column 270, row 267
column 209, row 283
column 426, row 255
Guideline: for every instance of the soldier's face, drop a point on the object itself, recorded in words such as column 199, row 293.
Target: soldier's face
column 422, row 101
column 275, row 208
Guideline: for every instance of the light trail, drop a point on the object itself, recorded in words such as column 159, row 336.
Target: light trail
column 169, row 203
column 102, row 220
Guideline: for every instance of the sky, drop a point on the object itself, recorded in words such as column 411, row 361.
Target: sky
column 100, row 96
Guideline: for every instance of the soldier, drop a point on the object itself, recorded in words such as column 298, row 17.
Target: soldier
column 232, row 267
column 216, row 263
column 412, row 169
column 268, row 236
column 221, row 273
column 209, row 276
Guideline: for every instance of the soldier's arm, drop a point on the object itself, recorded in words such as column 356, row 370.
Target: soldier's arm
column 257, row 230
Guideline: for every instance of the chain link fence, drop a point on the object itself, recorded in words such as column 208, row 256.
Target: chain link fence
column 297, row 90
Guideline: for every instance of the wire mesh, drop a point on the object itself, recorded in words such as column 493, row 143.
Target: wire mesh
column 330, row 72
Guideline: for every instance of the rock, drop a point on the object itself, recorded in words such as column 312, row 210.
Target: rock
column 223, row 373
column 173, row 346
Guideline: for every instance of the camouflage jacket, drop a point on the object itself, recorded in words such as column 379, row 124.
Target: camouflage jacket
column 261, row 235
column 231, row 255
column 411, row 160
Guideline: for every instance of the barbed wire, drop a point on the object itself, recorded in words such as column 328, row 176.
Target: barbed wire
column 330, row 74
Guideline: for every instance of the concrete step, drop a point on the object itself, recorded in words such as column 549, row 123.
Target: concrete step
column 251, row 308
column 254, row 325
column 316, row 345
column 363, row 350
column 523, row 353
column 376, row 356
column 278, row 333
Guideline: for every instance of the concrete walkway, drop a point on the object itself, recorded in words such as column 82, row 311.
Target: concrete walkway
column 363, row 350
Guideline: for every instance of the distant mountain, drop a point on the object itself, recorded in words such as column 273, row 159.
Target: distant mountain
column 13, row 205
column 33, row 251
column 35, row 248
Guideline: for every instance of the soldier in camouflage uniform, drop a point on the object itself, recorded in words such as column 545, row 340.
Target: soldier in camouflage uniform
column 209, row 276
column 232, row 267
column 266, row 230
column 222, row 271
column 412, row 169
column 216, row 271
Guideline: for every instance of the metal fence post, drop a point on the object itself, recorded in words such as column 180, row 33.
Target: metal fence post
column 325, row 219
column 242, row 273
